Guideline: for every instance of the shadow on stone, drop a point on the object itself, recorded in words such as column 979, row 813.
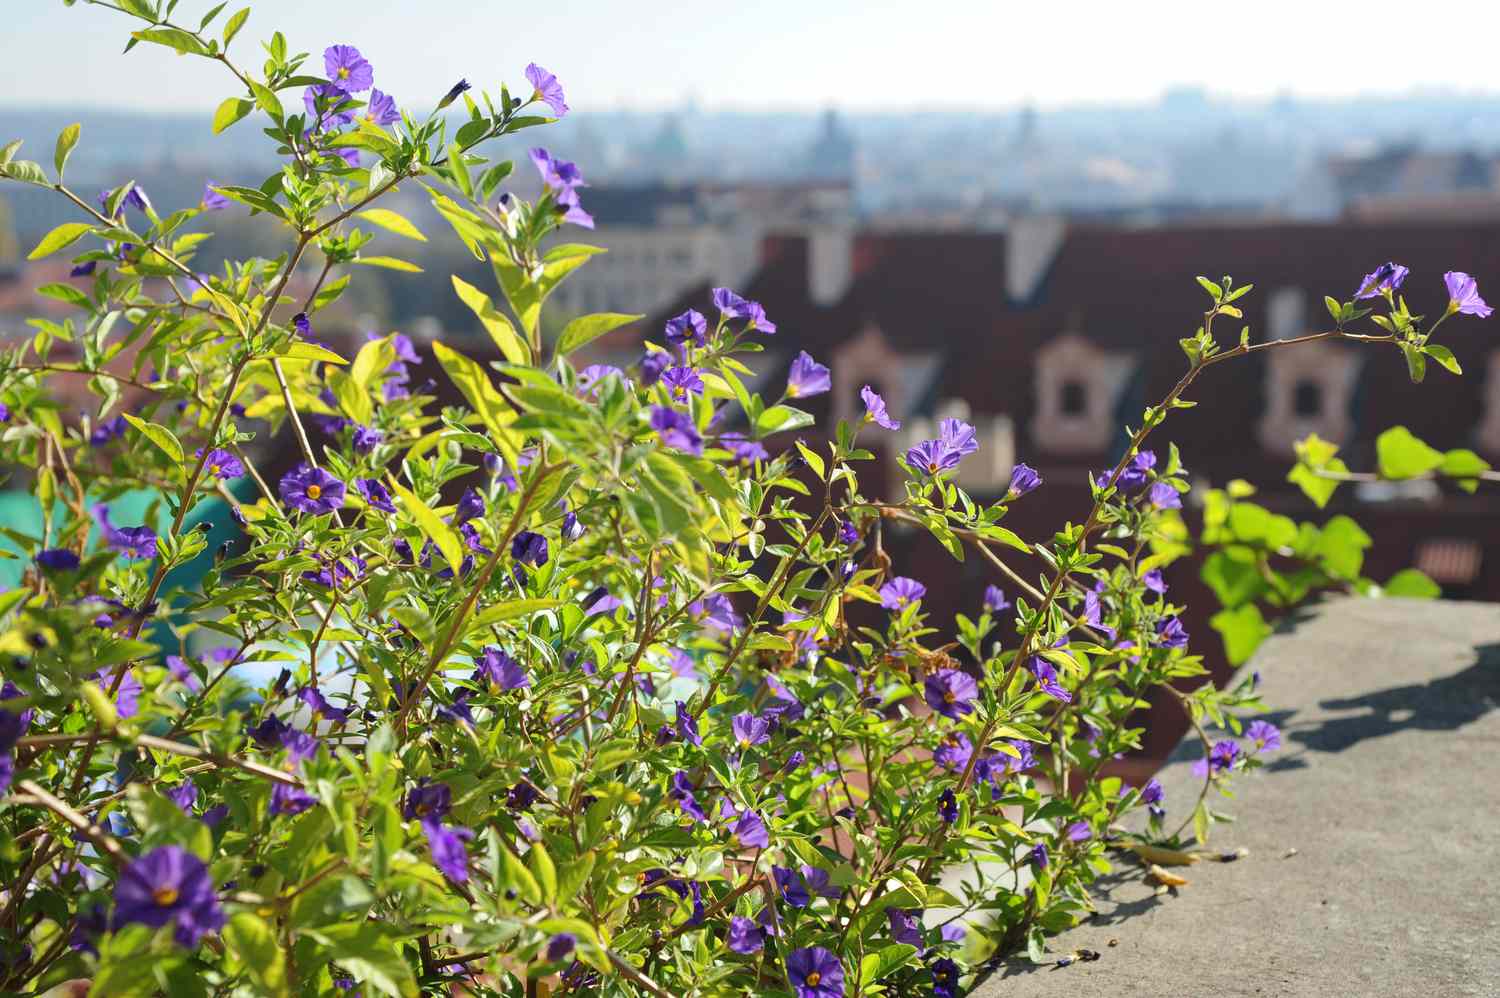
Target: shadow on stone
column 1444, row 704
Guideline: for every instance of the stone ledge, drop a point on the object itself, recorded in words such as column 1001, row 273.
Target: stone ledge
column 1388, row 788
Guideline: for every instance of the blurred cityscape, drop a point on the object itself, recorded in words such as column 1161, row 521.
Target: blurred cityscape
column 1028, row 270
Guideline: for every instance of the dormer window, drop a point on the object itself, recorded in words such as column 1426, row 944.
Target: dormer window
column 1078, row 386
column 1074, row 398
column 1308, row 390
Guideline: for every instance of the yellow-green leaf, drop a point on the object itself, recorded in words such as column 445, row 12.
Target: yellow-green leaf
column 480, row 392
column 232, row 110
column 496, row 324
column 158, row 435
column 433, row 526
column 510, row 610
column 233, row 26
column 302, row 350
column 587, row 328
column 65, row 143
column 392, row 222
column 64, row 235
column 254, row 942
column 389, row 263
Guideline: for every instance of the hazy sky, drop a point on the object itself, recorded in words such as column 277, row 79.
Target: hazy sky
column 866, row 54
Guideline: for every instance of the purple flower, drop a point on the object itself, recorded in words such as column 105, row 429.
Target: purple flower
column 589, row 377
column 744, row 449
column 1039, row 856
column 680, row 382
column 428, row 800
column 948, row 807
column 1046, row 678
column 366, row 438
column 169, row 886
column 132, row 542
column 470, row 506
column 651, row 365
column 953, row 752
column 994, row 600
column 1463, row 295
column 459, row 710
column 347, row 69
column 905, row 926
column 782, row 705
column 381, row 110
column 749, row 830
column 1152, row 792
column 1265, row 735
column 1136, row 472
column 901, row 592
column 453, row 93
column 600, row 601
column 311, row 490
column 750, row 730
column 1164, row 496
column 128, row 696
column 559, row 175
column 932, row 457
column 84, row 269
column 807, row 377
column 756, row 313
column 546, row 89
column 848, row 532
column 184, row 795
column 815, row 973
column 182, row 672
column 316, row 702
column 682, row 790
column 223, row 465
column 951, row 692
column 289, row 800
column 687, row 725
column 792, row 889
column 300, row 746
column 447, row 847
column 959, row 436
column 731, row 305
column 875, row 411
column 945, row 974
column 212, row 200
column 1079, row 831
column 375, row 495
column 560, row 945
column 1171, row 634
column 57, row 560
column 571, row 208
column 1386, row 277
column 499, row 669
column 1221, row 757
column 676, row 429
column 717, row 613
column 529, row 548
column 327, row 106
column 1023, row 479
column 1155, row 581
column 745, row 937
column 107, row 430
column 690, row 325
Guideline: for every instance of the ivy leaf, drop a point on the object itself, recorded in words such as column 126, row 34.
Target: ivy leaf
column 1243, row 629
column 1464, row 467
column 1411, row 583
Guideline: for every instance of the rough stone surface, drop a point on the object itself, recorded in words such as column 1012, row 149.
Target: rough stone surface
column 1387, row 787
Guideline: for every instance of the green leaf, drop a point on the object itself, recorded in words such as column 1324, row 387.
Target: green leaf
column 232, row 110
column 388, row 263
column 172, row 38
column 1465, row 467
column 587, row 328
column 1341, row 547
column 234, row 24
column 1443, row 356
column 1416, row 362
column 782, row 418
column 1234, row 580
column 302, row 350
column 480, row 392
column 433, row 526
column 162, row 437
column 877, row 966
column 1401, row 455
column 254, row 942
column 65, row 143
column 1413, row 584
column 392, row 222
column 1212, row 288
column 510, row 610
column 1315, row 486
column 813, row 458
column 335, row 900
column 64, row 235
column 65, row 293
column 512, row 347
column 544, row 870
column 371, row 951
column 1243, row 629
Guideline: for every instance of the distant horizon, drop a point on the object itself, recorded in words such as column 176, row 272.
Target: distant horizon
column 779, row 56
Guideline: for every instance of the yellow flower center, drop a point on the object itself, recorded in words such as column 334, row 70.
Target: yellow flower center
column 679, row 392
column 343, row 72
column 813, row 979
column 165, row 896
column 313, row 491
column 932, row 467
column 422, row 809
column 213, row 469
column 791, row 391
column 949, row 697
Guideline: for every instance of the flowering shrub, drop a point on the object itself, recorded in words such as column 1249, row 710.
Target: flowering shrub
column 576, row 686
